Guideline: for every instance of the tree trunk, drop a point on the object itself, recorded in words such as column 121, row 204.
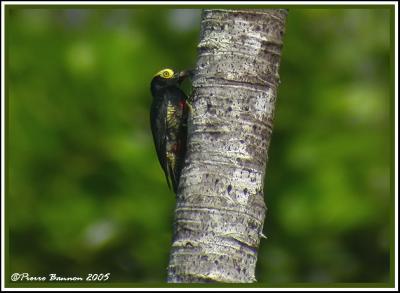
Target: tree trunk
column 220, row 207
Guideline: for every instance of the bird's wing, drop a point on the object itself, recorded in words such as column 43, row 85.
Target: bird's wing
column 159, row 131
column 179, row 115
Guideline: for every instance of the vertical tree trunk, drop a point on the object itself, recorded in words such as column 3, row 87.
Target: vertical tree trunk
column 220, row 207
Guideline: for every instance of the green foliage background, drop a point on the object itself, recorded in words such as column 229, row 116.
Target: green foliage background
column 85, row 192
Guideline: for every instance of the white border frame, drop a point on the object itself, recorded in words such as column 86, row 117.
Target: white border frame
column 357, row 3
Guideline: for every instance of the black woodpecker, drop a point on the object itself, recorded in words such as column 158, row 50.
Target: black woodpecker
column 168, row 117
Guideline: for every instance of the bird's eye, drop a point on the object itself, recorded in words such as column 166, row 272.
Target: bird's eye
column 165, row 73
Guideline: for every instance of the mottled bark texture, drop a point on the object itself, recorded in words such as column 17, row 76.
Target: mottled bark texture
column 220, row 208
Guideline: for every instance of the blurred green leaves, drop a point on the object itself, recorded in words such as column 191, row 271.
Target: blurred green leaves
column 329, row 172
column 85, row 191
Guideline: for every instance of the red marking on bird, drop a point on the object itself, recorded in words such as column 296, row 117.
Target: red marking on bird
column 176, row 147
column 182, row 104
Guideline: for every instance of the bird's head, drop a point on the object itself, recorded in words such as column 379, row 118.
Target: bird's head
column 164, row 78
column 168, row 77
column 166, row 73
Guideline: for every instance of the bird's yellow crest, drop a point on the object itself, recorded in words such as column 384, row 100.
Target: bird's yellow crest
column 165, row 73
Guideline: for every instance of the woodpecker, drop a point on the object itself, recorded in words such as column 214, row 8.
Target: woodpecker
column 168, row 119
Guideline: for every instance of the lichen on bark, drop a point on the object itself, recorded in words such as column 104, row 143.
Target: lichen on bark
column 220, row 208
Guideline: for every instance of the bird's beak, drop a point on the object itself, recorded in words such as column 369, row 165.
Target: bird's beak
column 184, row 74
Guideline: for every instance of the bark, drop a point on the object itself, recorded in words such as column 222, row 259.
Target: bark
column 220, row 206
